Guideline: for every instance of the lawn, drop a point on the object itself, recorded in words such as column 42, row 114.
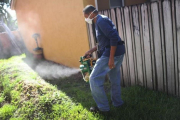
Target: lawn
column 24, row 95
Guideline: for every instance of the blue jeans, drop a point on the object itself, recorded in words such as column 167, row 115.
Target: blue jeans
column 97, row 79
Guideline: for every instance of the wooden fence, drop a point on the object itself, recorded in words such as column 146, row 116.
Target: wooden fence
column 152, row 38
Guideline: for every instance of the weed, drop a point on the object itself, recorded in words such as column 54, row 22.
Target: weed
column 1, row 99
column 7, row 87
column 15, row 95
column 7, row 111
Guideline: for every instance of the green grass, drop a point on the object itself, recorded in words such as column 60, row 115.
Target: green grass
column 140, row 103
column 26, row 96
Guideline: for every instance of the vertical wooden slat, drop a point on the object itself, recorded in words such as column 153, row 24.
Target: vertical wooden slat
column 91, row 38
column 130, row 45
column 109, row 13
column 119, row 23
column 162, row 33
column 157, row 46
column 113, row 17
column 89, row 35
column 175, row 46
column 118, row 14
column 102, row 12
column 169, row 47
column 136, row 30
column 146, row 40
column 154, row 82
column 106, row 13
column 121, row 33
column 178, row 38
column 133, row 44
column 142, row 46
column 128, row 81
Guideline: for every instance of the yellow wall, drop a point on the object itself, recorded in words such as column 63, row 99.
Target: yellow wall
column 61, row 26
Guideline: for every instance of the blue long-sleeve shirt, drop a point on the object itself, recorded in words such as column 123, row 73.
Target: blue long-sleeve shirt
column 107, row 35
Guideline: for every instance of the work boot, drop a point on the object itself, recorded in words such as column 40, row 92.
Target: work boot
column 96, row 110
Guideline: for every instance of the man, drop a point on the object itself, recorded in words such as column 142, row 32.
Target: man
column 110, row 56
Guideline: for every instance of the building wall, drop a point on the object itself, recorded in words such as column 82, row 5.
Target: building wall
column 61, row 26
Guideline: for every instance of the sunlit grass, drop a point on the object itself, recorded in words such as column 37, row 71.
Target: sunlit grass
column 24, row 95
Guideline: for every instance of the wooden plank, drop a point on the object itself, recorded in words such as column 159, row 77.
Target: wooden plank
column 154, row 82
column 91, row 40
column 113, row 17
column 178, row 38
column 175, row 46
column 130, row 45
column 100, row 12
column 133, row 44
column 106, row 13
column 119, row 23
column 169, row 47
column 89, row 36
column 157, row 46
column 109, row 13
column 142, row 46
column 136, row 30
column 147, row 49
column 163, row 45
column 121, row 33
column 128, row 81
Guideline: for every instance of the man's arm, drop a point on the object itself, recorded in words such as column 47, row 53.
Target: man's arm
column 111, row 58
column 111, row 33
column 88, row 53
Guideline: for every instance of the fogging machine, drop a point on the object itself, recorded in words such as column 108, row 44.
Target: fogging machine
column 86, row 66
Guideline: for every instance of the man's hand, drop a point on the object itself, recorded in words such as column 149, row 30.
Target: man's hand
column 111, row 58
column 88, row 54
column 111, row 63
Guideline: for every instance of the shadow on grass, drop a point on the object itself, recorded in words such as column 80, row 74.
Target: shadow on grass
column 140, row 103
column 77, row 89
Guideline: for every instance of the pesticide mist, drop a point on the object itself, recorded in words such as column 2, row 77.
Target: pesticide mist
column 49, row 70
